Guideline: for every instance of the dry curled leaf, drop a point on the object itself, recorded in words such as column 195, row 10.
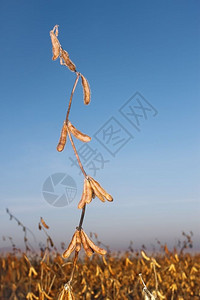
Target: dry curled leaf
column 66, row 61
column 55, row 42
column 86, row 90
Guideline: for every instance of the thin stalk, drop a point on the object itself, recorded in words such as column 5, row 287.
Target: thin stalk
column 156, row 278
column 82, row 217
column 50, row 287
column 83, row 171
column 74, row 266
column 72, row 93
column 76, row 153
column 77, row 252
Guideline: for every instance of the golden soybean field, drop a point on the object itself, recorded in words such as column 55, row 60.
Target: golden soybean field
column 167, row 275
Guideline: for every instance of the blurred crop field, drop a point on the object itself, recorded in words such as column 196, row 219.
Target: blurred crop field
column 130, row 275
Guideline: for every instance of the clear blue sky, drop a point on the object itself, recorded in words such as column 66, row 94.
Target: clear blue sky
column 150, row 47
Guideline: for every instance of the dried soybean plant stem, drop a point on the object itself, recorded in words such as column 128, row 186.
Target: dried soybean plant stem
column 145, row 289
column 76, row 252
column 72, row 93
column 156, row 278
column 51, row 284
column 82, row 217
column 76, row 153
column 90, row 189
column 25, row 230
column 74, row 266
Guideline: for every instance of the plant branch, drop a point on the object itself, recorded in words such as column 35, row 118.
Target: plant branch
column 76, row 153
column 72, row 93
column 74, row 266
column 82, row 217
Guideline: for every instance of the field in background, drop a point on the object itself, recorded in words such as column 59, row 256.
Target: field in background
column 133, row 274
column 167, row 274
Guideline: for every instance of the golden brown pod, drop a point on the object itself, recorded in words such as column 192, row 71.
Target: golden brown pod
column 161, row 296
column 43, row 223
column 145, row 256
column 62, row 295
column 89, row 251
column 66, row 61
column 88, row 192
column 55, row 43
column 96, row 248
column 78, row 134
column 31, row 296
column 101, row 190
column 63, row 138
column 96, row 191
column 32, row 271
column 103, row 290
column 26, row 258
column 78, row 241
column 66, row 294
column 86, row 195
column 82, row 202
column 86, row 90
column 71, row 247
column 97, row 294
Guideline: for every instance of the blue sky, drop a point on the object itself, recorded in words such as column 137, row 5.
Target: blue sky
column 149, row 47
